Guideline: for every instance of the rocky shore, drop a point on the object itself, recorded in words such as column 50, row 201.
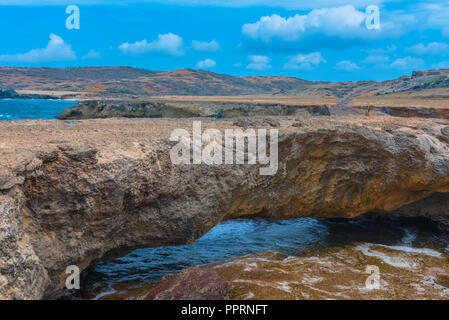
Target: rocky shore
column 74, row 192
column 12, row 94
column 404, row 273
column 92, row 109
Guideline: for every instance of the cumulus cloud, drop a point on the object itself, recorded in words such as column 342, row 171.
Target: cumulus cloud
column 383, row 51
column 376, row 59
column 433, row 48
column 92, row 54
column 168, row 43
column 206, row 64
column 210, row 46
column 347, row 66
column 305, row 61
column 345, row 21
column 259, row 63
column 407, row 63
column 56, row 50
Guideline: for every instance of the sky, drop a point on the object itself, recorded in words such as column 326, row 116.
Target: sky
column 314, row 40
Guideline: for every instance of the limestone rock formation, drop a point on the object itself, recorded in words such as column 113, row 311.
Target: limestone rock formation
column 74, row 192
column 91, row 109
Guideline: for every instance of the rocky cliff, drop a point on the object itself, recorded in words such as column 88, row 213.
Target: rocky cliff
column 91, row 109
column 74, row 192
column 410, row 111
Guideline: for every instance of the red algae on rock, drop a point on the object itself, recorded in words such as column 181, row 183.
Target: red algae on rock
column 191, row 284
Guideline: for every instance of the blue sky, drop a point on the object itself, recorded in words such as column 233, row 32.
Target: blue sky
column 313, row 40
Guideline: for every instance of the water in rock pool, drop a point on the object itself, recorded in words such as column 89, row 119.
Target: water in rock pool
column 16, row 109
column 245, row 236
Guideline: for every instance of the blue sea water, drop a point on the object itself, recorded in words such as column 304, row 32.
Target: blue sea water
column 16, row 109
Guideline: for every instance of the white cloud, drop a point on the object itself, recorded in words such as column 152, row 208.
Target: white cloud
column 347, row 66
column 210, row 46
column 206, row 64
column 433, row 48
column 168, row 43
column 407, row 63
column 259, row 63
column 376, row 59
column 92, row 54
column 305, row 61
column 383, row 51
column 56, row 50
column 345, row 21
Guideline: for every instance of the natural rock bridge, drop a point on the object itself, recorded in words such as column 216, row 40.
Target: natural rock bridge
column 72, row 192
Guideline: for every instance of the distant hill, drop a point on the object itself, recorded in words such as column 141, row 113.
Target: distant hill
column 133, row 81
column 127, row 82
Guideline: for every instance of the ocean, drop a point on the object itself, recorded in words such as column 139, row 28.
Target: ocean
column 16, row 109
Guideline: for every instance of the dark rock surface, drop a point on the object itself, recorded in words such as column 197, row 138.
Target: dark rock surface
column 92, row 109
column 12, row 94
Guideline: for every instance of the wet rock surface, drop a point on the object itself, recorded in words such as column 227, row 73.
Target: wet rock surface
column 76, row 192
column 363, row 271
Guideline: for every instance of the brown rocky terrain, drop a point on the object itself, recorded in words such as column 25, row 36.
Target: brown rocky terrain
column 74, row 192
column 126, row 81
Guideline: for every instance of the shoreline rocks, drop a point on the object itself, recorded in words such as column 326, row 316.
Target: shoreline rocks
column 12, row 94
column 337, row 273
column 363, row 271
column 410, row 111
column 92, row 109
column 80, row 191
